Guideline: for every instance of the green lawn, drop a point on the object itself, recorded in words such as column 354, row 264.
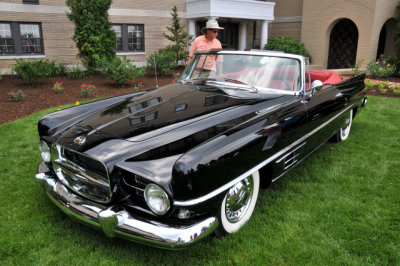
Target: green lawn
column 340, row 206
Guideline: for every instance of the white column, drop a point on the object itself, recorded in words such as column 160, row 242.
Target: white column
column 192, row 29
column 242, row 35
column 264, row 34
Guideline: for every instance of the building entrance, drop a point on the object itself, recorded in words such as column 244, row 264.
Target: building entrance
column 343, row 45
column 228, row 36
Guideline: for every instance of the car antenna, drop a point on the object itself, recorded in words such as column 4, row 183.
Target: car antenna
column 155, row 71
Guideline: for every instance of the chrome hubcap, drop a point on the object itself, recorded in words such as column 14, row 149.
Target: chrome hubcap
column 238, row 199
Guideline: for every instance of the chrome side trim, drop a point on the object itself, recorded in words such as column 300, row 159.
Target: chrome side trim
column 259, row 166
column 286, row 155
column 116, row 221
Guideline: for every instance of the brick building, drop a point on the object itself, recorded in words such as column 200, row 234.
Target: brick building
column 336, row 33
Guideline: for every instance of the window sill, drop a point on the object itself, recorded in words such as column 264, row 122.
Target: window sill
column 131, row 53
column 8, row 57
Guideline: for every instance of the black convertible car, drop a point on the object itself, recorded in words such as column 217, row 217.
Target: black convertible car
column 168, row 166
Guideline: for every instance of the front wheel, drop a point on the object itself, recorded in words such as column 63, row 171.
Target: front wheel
column 344, row 132
column 238, row 205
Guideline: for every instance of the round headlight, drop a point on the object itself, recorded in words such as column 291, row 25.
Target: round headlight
column 156, row 199
column 45, row 151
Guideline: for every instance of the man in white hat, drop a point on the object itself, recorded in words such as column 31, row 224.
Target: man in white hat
column 207, row 41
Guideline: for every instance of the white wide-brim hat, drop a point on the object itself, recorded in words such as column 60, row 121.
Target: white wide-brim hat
column 211, row 24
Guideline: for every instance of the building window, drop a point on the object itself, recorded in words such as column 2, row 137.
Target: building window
column 20, row 38
column 31, row 42
column 135, row 38
column 118, row 32
column 35, row 2
column 130, row 38
column 6, row 40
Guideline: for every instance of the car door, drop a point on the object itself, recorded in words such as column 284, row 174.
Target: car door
column 323, row 110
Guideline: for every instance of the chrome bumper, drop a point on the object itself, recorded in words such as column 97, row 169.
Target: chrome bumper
column 116, row 221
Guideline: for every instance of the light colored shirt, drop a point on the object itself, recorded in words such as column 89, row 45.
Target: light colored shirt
column 202, row 44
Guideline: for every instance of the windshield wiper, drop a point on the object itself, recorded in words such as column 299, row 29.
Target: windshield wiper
column 234, row 84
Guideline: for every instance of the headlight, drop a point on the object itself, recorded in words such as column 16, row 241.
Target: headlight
column 45, row 151
column 156, row 199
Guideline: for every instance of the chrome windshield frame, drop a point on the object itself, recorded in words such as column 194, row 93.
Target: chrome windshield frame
column 302, row 61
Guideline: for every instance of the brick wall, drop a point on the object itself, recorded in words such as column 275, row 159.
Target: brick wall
column 310, row 21
column 57, row 30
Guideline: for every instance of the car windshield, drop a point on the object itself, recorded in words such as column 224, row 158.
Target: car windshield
column 254, row 73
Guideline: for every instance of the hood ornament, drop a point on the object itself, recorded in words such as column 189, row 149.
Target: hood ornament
column 80, row 140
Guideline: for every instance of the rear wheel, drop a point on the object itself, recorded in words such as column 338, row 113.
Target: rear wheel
column 344, row 132
column 238, row 205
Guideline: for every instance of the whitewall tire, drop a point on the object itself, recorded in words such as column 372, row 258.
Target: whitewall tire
column 344, row 131
column 238, row 205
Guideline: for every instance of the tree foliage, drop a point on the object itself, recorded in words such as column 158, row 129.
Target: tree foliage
column 93, row 35
column 287, row 45
column 178, row 36
column 164, row 60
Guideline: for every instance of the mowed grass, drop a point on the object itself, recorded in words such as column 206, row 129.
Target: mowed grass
column 340, row 206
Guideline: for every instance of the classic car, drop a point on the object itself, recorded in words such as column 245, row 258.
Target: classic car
column 171, row 165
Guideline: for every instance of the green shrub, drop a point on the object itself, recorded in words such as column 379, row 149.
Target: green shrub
column 380, row 85
column 16, row 96
column 380, row 71
column 165, row 61
column 32, row 71
column 76, row 73
column 368, row 84
column 395, row 62
column 287, row 45
column 383, row 91
column 59, row 70
column 121, row 71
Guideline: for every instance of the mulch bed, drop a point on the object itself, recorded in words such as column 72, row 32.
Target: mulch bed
column 375, row 92
column 42, row 96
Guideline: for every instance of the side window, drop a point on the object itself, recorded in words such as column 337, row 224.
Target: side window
column 20, row 38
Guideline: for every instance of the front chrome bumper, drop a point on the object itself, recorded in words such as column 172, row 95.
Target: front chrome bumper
column 116, row 221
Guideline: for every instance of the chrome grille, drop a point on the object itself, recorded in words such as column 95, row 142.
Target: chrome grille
column 135, row 184
column 82, row 174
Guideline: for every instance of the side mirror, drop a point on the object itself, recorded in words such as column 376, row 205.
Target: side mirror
column 317, row 85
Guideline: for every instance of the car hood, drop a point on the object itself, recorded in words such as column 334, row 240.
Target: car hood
column 162, row 122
